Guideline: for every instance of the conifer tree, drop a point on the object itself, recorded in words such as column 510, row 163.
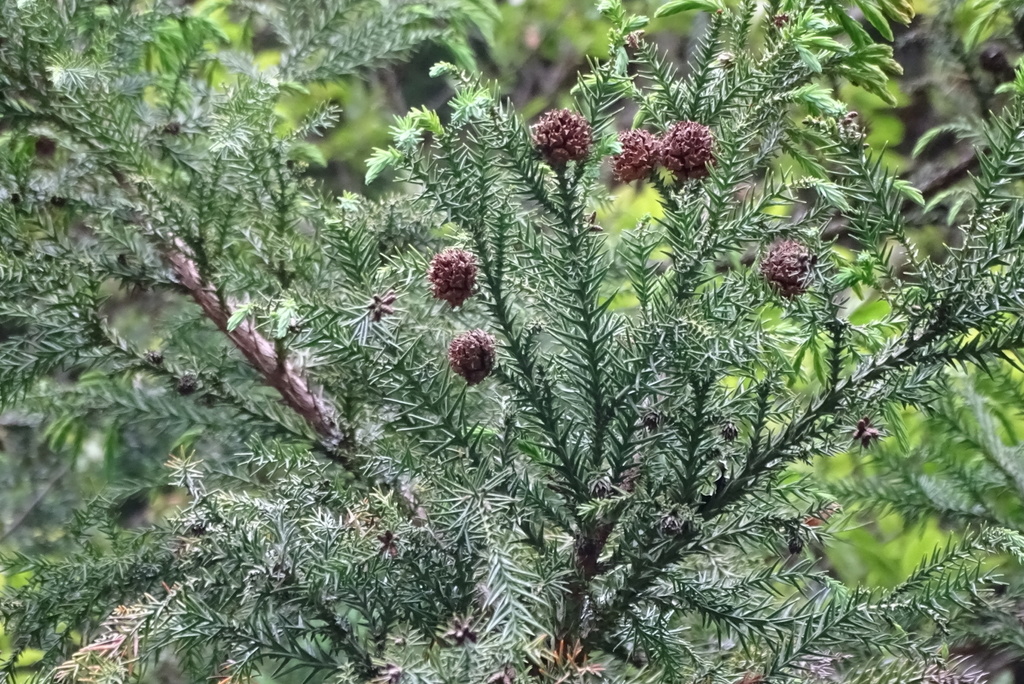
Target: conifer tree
column 484, row 441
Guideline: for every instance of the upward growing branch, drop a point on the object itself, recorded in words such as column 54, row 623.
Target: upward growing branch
column 277, row 370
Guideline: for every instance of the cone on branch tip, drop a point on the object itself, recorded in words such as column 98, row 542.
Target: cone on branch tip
column 452, row 275
column 471, row 355
column 687, row 150
column 188, row 383
column 638, row 157
column 562, row 136
column 787, row 267
column 45, row 147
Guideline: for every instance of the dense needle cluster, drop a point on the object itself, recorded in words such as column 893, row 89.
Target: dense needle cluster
column 619, row 505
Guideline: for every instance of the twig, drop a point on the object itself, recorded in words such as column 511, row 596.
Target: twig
column 20, row 519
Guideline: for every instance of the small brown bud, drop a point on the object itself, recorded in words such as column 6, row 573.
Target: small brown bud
column 390, row 674
column 472, row 356
column 822, row 516
column 381, row 306
column 562, row 136
column 45, row 147
column 188, row 383
column 172, row 128
column 787, row 267
column 780, row 20
column 638, row 158
column 687, row 150
column 452, row 275
column 850, row 129
column 154, row 357
column 388, row 544
column 729, row 431
column 634, row 40
column 866, row 433
column 461, row 632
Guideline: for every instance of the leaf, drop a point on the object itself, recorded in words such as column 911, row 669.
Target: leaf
column 853, row 29
column 380, row 160
column 899, row 10
column 111, row 449
column 870, row 312
column 981, row 27
column 896, row 426
column 922, row 143
column 283, row 317
column 677, row 6
column 309, row 153
column 875, row 18
column 808, row 58
column 239, row 315
column 831, row 193
column 819, row 99
column 909, row 191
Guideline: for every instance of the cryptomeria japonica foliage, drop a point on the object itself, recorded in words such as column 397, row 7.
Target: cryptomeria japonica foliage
column 466, row 435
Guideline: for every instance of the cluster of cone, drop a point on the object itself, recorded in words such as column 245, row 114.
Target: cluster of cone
column 562, row 136
column 686, row 149
column 452, row 275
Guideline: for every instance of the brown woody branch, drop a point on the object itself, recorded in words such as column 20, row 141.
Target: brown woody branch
column 276, row 369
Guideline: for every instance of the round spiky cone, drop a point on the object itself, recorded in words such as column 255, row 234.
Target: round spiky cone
column 562, row 136
column 787, row 267
column 638, row 158
column 471, row 355
column 452, row 275
column 687, row 150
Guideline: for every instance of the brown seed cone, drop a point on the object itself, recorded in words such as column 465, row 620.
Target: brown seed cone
column 687, row 149
column 452, row 275
column 188, row 383
column 562, row 136
column 787, row 267
column 45, row 147
column 471, row 355
column 638, row 158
